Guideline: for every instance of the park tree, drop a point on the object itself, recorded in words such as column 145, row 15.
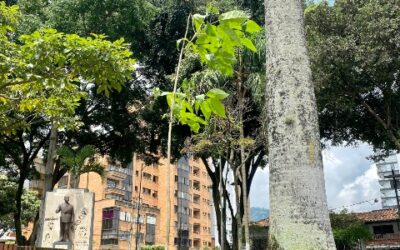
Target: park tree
column 30, row 203
column 222, row 48
column 354, row 49
column 78, row 162
column 348, row 230
column 299, row 216
column 43, row 78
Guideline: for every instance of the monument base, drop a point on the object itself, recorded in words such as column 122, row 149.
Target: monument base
column 62, row 245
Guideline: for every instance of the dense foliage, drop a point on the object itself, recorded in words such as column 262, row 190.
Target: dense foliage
column 355, row 54
column 30, row 203
column 348, row 230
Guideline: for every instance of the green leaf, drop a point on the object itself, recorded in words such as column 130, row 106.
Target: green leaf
column 248, row 44
column 198, row 20
column 206, row 109
column 252, row 27
column 234, row 15
column 217, row 107
column 218, row 94
column 212, row 9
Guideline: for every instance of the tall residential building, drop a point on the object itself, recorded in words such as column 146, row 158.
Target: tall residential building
column 131, row 204
column 385, row 167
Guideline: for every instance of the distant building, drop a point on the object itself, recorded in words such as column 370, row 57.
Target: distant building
column 383, row 224
column 385, row 167
column 117, row 204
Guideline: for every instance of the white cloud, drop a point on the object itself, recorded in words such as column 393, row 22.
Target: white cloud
column 349, row 178
column 364, row 188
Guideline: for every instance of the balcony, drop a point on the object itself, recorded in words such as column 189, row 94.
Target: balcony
column 196, row 171
column 114, row 190
column 196, row 185
column 390, row 236
column 196, row 213
column 196, row 199
column 196, row 228
column 384, row 240
column 115, row 172
column 196, row 243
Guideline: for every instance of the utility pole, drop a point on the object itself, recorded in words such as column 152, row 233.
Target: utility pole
column 394, row 176
column 138, row 210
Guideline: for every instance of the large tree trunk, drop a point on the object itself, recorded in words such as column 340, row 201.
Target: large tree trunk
column 21, row 241
column 299, row 214
column 48, row 176
column 51, row 154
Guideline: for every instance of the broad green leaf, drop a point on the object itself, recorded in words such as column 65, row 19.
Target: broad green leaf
column 206, row 109
column 218, row 94
column 248, row 44
column 234, row 15
column 217, row 107
column 252, row 27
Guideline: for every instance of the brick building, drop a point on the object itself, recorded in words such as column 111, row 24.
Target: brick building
column 136, row 193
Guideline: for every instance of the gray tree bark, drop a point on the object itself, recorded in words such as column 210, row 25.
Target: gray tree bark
column 51, row 156
column 299, row 214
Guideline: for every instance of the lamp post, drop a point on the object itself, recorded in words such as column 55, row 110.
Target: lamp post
column 138, row 209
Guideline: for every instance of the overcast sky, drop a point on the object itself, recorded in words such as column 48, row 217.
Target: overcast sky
column 350, row 178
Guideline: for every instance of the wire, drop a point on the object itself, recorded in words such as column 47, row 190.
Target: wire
column 375, row 200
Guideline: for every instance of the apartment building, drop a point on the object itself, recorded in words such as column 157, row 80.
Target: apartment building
column 386, row 168
column 131, row 205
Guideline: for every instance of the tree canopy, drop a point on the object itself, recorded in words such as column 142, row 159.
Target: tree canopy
column 354, row 49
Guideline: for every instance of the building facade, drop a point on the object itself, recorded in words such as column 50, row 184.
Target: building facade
column 131, row 204
column 384, row 168
column 384, row 226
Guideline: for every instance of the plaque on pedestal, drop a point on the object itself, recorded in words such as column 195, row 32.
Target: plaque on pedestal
column 62, row 245
column 68, row 220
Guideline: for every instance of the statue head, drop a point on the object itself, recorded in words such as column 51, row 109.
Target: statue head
column 66, row 199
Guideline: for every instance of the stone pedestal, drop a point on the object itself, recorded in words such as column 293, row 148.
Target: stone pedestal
column 81, row 228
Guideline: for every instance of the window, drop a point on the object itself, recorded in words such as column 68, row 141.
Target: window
column 155, row 194
column 111, row 183
column 147, row 176
column 196, row 171
column 196, row 213
column 146, row 191
column 155, row 179
column 196, row 185
column 196, row 199
column 124, row 235
column 383, row 229
column 150, row 234
column 109, row 230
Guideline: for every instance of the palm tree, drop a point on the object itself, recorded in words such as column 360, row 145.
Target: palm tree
column 299, row 216
column 79, row 162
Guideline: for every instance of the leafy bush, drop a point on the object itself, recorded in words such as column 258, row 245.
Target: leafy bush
column 152, row 247
column 348, row 229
